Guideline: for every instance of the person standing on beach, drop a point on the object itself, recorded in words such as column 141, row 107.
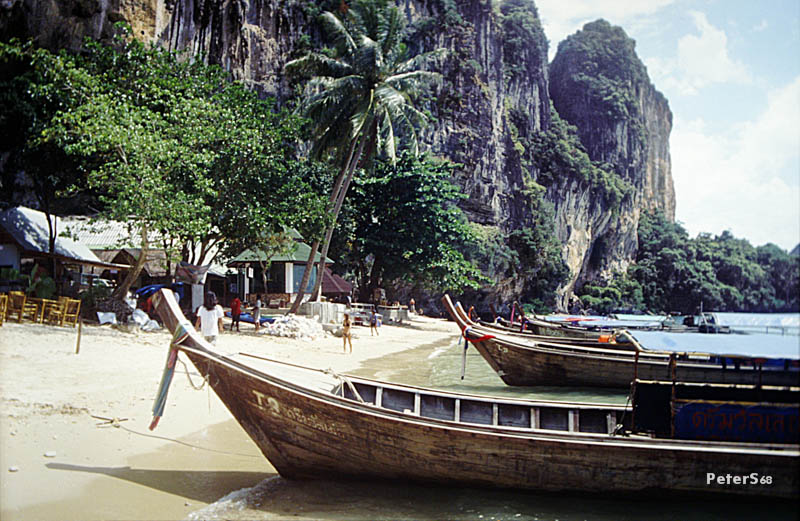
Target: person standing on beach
column 236, row 311
column 373, row 323
column 347, row 333
column 257, row 314
column 209, row 318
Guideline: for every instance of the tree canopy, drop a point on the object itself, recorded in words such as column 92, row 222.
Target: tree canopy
column 673, row 272
column 164, row 142
column 401, row 224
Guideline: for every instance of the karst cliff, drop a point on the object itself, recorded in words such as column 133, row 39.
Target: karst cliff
column 500, row 110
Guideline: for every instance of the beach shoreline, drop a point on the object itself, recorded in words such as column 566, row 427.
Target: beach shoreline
column 74, row 438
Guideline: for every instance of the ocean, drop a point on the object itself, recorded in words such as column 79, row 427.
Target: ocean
column 276, row 498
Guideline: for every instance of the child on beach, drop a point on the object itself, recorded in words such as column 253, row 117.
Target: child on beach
column 209, row 318
column 257, row 314
column 347, row 334
column 236, row 311
column 373, row 323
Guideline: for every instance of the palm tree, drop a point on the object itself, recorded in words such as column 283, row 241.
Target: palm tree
column 357, row 97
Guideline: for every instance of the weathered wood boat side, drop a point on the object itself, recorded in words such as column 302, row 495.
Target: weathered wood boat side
column 524, row 362
column 367, row 429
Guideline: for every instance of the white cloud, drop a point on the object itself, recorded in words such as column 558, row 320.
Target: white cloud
column 702, row 60
column 746, row 181
column 561, row 19
column 762, row 26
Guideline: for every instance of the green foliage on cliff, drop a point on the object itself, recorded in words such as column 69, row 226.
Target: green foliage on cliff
column 559, row 156
column 523, row 36
column 528, row 258
column 599, row 65
column 676, row 273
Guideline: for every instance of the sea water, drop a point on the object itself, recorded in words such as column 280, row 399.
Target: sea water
column 439, row 366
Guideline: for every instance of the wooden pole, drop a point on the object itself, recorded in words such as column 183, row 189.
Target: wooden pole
column 78, row 343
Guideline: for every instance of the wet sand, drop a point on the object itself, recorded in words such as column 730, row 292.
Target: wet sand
column 57, row 461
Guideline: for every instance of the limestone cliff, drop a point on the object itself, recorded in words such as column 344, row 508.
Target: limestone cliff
column 494, row 102
column 598, row 84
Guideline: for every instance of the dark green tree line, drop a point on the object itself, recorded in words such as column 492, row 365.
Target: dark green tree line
column 673, row 272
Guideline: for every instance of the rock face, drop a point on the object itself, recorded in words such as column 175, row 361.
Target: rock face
column 495, row 98
column 598, row 84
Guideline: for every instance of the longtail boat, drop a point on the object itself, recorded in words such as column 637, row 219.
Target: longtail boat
column 314, row 424
column 530, row 362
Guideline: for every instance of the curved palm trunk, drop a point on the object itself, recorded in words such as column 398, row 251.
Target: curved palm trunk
column 316, row 293
column 333, row 207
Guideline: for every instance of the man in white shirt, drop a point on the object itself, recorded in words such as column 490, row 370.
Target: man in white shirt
column 209, row 318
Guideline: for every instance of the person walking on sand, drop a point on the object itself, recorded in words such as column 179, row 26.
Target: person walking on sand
column 209, row 318
column 373, row 323
column 257, row 314
column 347, row 333
column 236, row 311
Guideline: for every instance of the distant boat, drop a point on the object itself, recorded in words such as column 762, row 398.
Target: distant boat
column 523, row 362
column 314, row 424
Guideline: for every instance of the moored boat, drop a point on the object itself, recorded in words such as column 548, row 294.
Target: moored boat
column 317, row 424
column 526, row 362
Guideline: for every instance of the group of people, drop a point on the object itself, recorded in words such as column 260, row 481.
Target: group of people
column 209, row 319
column 347, row 331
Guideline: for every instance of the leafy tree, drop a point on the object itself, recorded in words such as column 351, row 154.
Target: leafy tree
column 169, row 145
column 359, row 97
column 675, row 273
column 403, row 225
column 27, row 101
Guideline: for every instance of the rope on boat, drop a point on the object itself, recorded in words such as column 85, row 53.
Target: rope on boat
column 329, row 372
column 115, row 423
column 189, row 377
column 346, row 380
column 466, row 345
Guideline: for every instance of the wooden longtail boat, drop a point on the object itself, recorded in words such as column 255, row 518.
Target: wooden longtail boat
column 314, row 424
column 616, row 339
column 525, row 362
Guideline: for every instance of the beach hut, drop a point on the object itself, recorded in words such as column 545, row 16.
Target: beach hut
column 284, row 276
column 25, row 242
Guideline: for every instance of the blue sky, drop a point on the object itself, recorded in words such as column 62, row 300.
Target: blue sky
column 731, row 72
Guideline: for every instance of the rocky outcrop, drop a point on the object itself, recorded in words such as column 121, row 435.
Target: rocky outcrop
column 598, row 84
column 495, row 98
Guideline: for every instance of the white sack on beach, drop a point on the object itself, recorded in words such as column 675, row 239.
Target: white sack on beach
column 293, row 326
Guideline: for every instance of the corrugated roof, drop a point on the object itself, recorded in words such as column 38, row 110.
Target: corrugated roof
column 30, row 230
column 103, row 234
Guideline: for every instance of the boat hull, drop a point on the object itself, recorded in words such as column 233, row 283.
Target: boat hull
column 310, row 437
column 313, row 432
column 550, row 365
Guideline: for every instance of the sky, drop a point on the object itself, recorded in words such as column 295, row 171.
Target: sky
column 730, row 70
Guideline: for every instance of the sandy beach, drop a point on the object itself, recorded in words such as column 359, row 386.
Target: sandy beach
column 74, row 438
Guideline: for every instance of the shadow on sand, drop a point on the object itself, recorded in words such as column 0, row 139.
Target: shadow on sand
column 198, row 485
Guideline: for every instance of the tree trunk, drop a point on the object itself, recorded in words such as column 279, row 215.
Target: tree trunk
column 122, row 290
column 306, row 276
column 337, row 186
column 351, row 169
column 264, row 267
